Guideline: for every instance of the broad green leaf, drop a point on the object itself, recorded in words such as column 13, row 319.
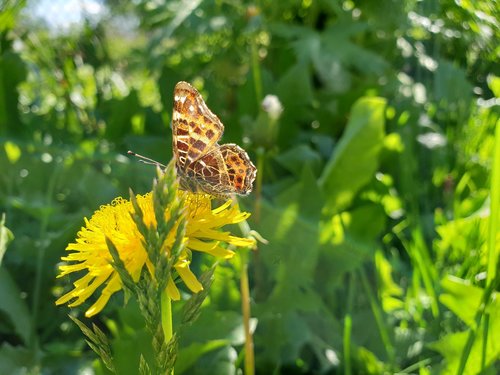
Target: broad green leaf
column 15, row 358
column 355, row 160
column 119, row 115
column 295, row 106
column 188, row 356
column 295, row 158
column 12, row 72
column 337, row 43
column 347, row 241
column 451, row 84
column 461, row 298
column 13, row 306
column 221, row 361
column 451, row 348
column 290, row 260
column 229, row 327
column 464, row 300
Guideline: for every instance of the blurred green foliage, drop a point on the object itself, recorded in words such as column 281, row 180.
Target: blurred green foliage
column 375, row 186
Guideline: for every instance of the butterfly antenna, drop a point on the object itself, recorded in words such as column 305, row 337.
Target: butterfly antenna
column 146, row 160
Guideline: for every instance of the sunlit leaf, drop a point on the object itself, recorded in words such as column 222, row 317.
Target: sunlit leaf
column 388, row 290
column 355, row 159
column 13, row 151
column 464, row 300
column 6, row 236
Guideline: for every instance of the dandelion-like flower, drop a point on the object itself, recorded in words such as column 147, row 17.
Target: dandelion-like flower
column 272, row 105
column 90, row 252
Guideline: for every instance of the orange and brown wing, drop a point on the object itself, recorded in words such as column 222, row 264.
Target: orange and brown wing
column 240, row 170
column 225, row 170
column 195, row 129
column 209, row 172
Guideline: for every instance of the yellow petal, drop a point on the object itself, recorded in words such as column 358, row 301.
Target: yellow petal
column 172, row 290
column 188, row 277
column 211, row 248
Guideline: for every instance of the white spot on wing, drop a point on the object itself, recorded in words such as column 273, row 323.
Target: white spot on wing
column 179, row 98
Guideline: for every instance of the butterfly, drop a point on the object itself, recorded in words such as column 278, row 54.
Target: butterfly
column 202, row 164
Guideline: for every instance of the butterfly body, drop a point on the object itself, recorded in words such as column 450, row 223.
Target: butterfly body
column 202, row 164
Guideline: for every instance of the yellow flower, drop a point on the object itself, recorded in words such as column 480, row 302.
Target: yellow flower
column 91, row 255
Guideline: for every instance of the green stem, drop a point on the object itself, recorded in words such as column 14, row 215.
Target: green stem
column 166, row 317
column 494, row 209
column 492, row 234
column 348, row 327
column 377, row 313
column 245, row 307
column 257, row 81
column 423, row 262
column 40, row 258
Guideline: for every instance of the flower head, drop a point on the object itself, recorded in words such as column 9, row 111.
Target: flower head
column 272, row 105
column 90, row 252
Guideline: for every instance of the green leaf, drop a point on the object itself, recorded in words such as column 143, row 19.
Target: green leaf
column 461, row 298
column 98, row 342
column 13, row 151
column 229, row 327
column 494, row 84
column 355, row 159
column 15, row 358
column 388, row 290
column 14, row 306
column 12, row 72
column 6, row 236
column 367, row 362
column 291, row 225
column 297, row 157
column 451, row 84
column 188, row 356
column 464, row 300
column 10, row 13
column 144, row 367
column 295, row 107
column 451, row 347
column 221, row 361
column 119, row 114
column 192, row 308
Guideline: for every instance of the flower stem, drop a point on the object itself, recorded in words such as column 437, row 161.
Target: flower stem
column 257, row 80
column 245, row 307
column 166, row 317
column 348, row 326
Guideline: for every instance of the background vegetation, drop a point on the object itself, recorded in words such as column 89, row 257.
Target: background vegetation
column 376, row 189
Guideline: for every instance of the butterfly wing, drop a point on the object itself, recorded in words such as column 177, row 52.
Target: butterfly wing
column 240, row 170
column 195, row 129
column 227, row 169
